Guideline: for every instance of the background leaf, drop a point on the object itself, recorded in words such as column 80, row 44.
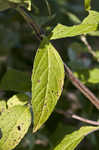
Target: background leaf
column 70, row 141
column 14, row 124
column 47, row 82
column 16, row 81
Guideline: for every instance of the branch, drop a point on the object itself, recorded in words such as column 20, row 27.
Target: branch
column 85, row 120
column 84, row 40
column 59, row 111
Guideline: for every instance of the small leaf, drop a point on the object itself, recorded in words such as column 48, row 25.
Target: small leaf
column 16, row 81
column 89, row 24
column 19, row 99
column 87, row 4
column 47, row 82
column 70, row 141
column 14, row 124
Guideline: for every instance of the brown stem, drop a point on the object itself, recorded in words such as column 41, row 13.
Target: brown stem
column 84, row 40
column 77, row 117
column 85, row 120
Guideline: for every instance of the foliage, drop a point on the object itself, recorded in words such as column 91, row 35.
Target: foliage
column 32, row 74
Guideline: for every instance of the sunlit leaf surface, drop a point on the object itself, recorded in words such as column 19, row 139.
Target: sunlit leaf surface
column 70, row 141
column 14, row 124
column 47, row 82
column 89, row 24
column 18, row 99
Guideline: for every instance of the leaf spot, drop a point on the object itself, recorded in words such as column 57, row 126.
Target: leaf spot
column 38, row 81
column 52, row 91
column 19, row 128
column 45, row 105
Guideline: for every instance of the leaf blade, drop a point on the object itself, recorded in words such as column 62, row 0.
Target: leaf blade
column 47, row 79
column 70, row 141
column 89, row 24
column 13, row 127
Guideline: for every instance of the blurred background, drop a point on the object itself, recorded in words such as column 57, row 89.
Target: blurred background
column 18, row 46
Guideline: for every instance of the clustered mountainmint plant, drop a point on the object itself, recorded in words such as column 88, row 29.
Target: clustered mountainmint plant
column 47, row 83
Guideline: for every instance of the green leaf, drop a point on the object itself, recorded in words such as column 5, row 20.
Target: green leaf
column 87, row 4
column 47, row 82
column 2, row 106
column 16, row 81
column 5, row 4
column 19, row 99
column 92, row 18
column 94, row 33
column 14, row 124
column 70, row 141
column 89, row 24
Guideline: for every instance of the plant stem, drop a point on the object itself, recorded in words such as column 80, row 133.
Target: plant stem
column 85, row 120
column 77, row 117
column 84, row 40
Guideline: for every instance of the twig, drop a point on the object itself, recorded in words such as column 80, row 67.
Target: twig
column 77, row 117
column 94, row 100
column 84, row 40
column 85, row 120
